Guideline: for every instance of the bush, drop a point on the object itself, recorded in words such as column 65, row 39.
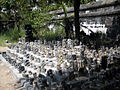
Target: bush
column 49, row 35
column 11, row 35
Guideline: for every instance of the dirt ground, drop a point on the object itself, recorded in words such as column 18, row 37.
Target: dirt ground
column 2, row 49
column 7, row 80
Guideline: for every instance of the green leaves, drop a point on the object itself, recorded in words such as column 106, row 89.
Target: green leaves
column 65, row 9
column 22, row 12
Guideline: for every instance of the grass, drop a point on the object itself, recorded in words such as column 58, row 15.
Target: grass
column 50, row 35
column 11, row 35
column 6, row 36
column 2, row 40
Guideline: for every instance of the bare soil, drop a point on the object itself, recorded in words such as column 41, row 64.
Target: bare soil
column 2, row 49
column 7, row 80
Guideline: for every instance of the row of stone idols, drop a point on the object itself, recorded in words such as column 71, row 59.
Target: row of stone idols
column 62, row 65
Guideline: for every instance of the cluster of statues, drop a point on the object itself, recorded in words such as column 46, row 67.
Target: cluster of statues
column 64, row 65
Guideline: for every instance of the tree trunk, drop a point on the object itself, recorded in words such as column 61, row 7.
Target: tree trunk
column 76, row 19
column 18, row 26
column 83, row 1
column 17, row 23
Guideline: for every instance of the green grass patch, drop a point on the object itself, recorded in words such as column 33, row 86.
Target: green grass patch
column 8, row 36
column 11, row 35
column 2, row 40
column 50, row 35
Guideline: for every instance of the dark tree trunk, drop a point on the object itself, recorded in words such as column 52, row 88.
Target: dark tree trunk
column 77, row 22
column 83, row 2
column 68, row 28
column 18, row 26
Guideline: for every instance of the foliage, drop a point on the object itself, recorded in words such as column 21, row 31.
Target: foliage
column 49, row 35
column 11, row 35
column 22, row 10
column 34, row 12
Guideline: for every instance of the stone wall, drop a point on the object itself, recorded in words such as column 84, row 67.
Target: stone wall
column 111, row 22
